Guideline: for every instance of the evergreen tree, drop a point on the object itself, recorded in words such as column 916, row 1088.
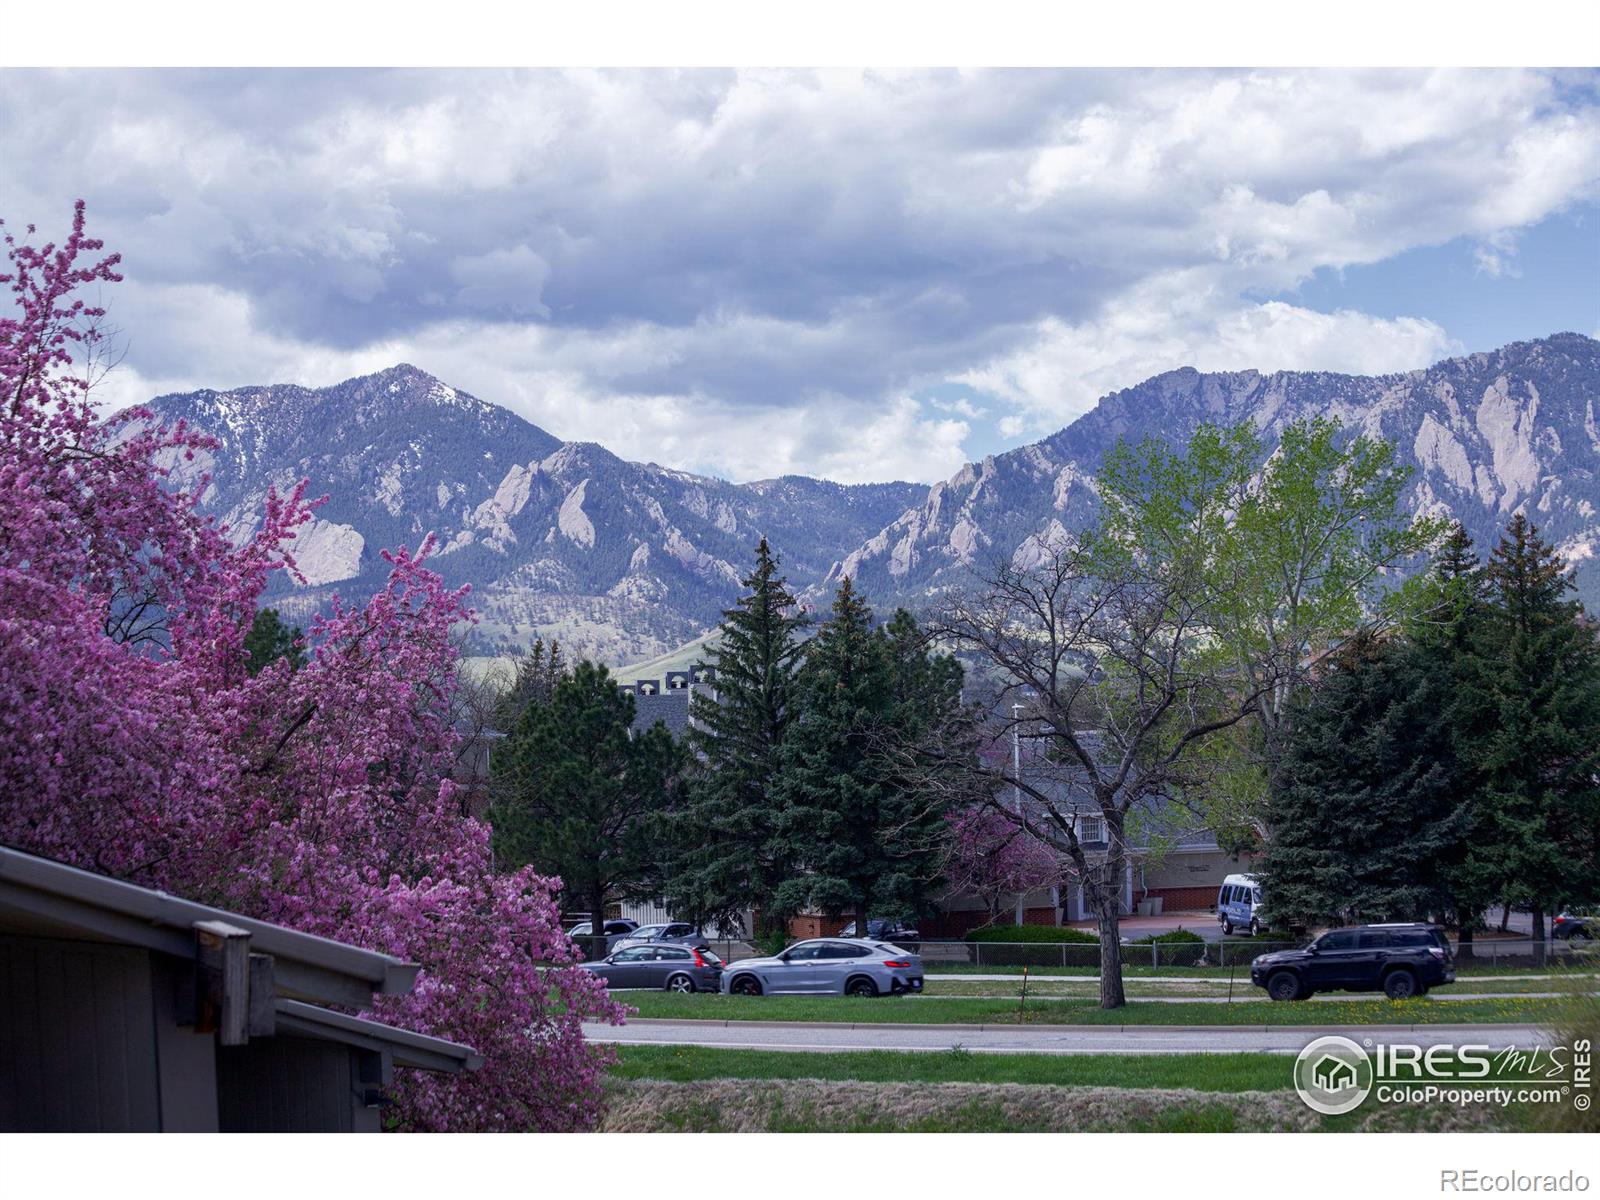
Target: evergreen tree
column 1538, row 669
column 731, row 857
column 832, row 786
column 852, row 819
column 269, row 640
column 533, row 681
column 1365, row 808
column 577, row 792
column 924, row 706
column 1446, row 626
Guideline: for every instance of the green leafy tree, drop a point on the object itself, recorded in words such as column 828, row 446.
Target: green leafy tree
column 1538, row 681
column 577, row 791
column 1285, row 554
column 1366, row 808
column 269, row 640
column 731, row 810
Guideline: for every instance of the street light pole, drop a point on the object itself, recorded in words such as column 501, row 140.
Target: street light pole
column 1016, row 786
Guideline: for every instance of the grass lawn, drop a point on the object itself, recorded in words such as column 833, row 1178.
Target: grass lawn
column 974, row 1011
column 1205, row 1072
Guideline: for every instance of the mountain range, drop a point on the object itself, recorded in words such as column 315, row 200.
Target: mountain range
column 626, row 560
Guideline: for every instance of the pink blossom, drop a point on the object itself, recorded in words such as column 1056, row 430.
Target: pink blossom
column 134, row 742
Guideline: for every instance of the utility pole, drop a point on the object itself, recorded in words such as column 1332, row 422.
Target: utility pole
column 1016, row 786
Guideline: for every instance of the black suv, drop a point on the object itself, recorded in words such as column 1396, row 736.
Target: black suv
column 1399, row 960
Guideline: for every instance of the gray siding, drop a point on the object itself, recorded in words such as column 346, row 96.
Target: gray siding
column 77, row 1044
column 288, row 1085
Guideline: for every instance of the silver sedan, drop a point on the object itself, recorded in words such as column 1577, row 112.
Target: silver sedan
column 828, row 966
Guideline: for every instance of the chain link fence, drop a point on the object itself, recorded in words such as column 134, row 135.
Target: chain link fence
column 1229, row 952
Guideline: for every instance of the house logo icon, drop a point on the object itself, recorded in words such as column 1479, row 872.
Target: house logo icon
column 1333, row 1075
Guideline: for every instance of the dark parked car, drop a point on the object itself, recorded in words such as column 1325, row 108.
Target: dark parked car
column 894, row 932
column 680, row 932
column 1573, row 929
column 659, row 965
column 615, row 931
column 1398, row 960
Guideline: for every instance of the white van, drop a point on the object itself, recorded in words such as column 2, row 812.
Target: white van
column 1238, row 903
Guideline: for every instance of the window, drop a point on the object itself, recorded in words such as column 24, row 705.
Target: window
column 1380, row 939
column 635, row 954
column 1339, row 939
column 1091, row 829
column 804, row 952
column 647, row 931
column 671, row 954
column 840, row 950
column 677, row 931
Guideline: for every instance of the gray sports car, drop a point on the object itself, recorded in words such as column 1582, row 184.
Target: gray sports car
column 829, row 966
column 654, row 965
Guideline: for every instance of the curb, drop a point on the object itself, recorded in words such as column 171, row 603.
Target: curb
column 1011, row 1027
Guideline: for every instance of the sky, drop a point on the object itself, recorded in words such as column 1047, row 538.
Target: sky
column 859, row 275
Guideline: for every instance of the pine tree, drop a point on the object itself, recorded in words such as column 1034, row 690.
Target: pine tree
column 731, row 809
column 924, row 706
column 834, row 786
column 533, row 681
column 1365, row 808
column 270, row 639
column 1538, row 668
column 577, row 792
column 1446, row 627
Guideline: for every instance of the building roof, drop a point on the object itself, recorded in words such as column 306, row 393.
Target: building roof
column 670, row 708
column 407, row 1047
column 83, row 904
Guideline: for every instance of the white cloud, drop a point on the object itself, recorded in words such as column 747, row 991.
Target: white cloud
column 698, row 266
column 1173, row 321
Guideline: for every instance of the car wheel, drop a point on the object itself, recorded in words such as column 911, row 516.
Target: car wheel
column 1227, row 928
column 680, row 983
column 1283, row 986
column 1400, row 985
column 746, row 985
column 1255, row 927
column 861, row 986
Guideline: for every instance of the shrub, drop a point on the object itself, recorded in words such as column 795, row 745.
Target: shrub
column 1174, row 948
column 1034, row 946
column 1033, row 933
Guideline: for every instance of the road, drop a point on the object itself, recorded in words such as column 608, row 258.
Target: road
column 1039, row 1040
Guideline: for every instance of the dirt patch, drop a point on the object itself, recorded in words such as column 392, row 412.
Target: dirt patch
column 777, row 1106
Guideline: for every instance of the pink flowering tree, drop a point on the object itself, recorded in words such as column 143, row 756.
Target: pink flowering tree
column 134, row 742
column 995, row 859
